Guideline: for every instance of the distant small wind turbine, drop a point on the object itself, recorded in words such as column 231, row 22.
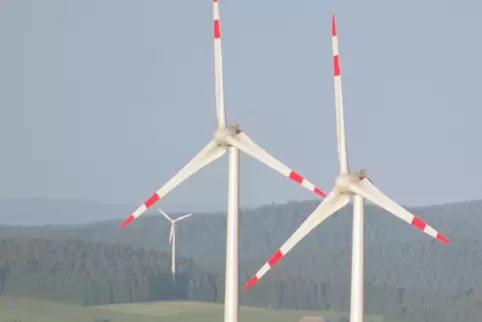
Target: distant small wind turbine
column 172, row 238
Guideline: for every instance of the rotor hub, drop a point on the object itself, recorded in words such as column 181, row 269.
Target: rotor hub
column 344, row 181
column 222, row 133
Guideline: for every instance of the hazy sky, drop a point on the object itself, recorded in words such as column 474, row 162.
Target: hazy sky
column 105, row 100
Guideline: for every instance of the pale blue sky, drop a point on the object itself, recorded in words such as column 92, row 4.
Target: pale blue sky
column 105, row 100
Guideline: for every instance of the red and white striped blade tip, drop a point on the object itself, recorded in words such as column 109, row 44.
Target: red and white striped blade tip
column 148, row 204
column 443, row 239
column 128, row 220
column 421, row 225
column 275, row 258
column 250, row 283
column 333, row 25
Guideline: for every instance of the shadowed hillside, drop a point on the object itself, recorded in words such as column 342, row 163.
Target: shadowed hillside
column 96, row 273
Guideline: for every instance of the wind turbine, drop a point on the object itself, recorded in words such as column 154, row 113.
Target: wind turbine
column 172, row 238
column 347, row 184
column 233, row 138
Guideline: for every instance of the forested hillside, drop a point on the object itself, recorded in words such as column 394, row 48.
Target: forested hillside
column 408, row 275
column 97, row 273
column 264, row 229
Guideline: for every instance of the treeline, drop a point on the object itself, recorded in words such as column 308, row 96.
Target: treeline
column 97, row 273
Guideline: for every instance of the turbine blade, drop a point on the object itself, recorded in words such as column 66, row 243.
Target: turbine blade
column 340, row 126
column 368, row 191
column 164, row 214
column 248, row 146
column 171, row 233
column 333, row 202
column 183, row 217
column 208, row 154
column 218, row 67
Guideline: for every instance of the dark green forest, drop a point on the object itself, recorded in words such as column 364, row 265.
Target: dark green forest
column 97, row 273
column 409, row 276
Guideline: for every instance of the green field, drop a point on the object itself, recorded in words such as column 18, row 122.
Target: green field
column 15, row 309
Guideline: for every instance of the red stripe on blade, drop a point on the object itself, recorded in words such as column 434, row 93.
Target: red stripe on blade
column 333, row 26
column 442, row 238
column 295, row 177
column 250, row 283
column 152, row 200
column 319, row 192
column 275, row 258
column 418, row 223
column 217, row 30
column 127, row 221
column 336, row 65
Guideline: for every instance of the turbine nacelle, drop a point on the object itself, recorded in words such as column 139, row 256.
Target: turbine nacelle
column 221, row 134
column 363, row 175
column 345, row 181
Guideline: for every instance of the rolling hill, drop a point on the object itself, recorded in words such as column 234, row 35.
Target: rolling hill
column 408, row 276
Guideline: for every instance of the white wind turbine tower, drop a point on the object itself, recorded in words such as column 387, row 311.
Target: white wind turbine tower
column 348, row 183
column 232, row 138
column 172, row 238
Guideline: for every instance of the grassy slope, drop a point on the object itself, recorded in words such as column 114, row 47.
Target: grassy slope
column 204, row 312
column 30, row 310
column 13, row 309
